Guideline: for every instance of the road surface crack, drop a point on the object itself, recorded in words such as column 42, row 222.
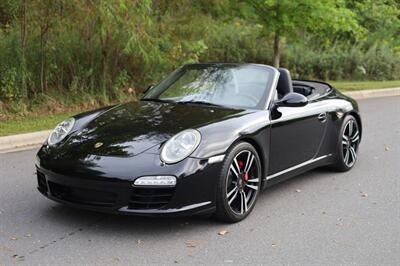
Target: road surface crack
column 63, row 237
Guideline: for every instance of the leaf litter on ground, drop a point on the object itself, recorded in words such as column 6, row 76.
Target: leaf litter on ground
column 223, row 232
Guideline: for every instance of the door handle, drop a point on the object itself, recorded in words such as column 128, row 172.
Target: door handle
column 322, row 117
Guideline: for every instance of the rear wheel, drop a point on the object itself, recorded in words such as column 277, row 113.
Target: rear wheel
column 347, row 147
column 239, row 183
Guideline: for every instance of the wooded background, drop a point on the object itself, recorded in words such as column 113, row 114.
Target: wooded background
column 69, row 52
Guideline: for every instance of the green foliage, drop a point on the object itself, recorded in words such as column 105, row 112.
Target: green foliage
column 66, row 52
column 287, row 16
column 237, row 42
column 381, row 18
column 8, row 84
column 341, row 63
column 364, row 85
column 32, row 124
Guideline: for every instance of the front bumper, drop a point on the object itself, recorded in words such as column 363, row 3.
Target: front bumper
column 193, row 194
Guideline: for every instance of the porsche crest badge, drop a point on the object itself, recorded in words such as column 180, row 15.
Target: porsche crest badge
column 98, row 145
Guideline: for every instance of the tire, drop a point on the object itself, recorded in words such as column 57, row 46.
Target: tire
column 239, row 183
column 347, row 145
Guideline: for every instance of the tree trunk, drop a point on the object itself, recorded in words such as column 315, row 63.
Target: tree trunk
column 104, row 55
column 42, row 59
column 24, row 90
column 44, row 29
column 105, row 70
column 277, row 48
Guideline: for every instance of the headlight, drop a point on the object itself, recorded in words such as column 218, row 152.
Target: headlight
column 61, row 131
column 180, row 146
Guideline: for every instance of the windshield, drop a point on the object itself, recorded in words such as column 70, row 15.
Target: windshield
column 240, row 86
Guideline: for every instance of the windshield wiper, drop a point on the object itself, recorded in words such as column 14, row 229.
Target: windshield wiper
column 156, row 100
column 181, row 102
column 200, row 102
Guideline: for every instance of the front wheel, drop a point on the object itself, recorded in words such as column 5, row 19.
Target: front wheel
column 239, row 183
column 347, row 146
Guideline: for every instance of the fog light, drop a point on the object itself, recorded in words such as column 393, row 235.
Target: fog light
column 158, row 180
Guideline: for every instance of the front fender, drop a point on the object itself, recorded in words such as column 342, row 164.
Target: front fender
column 218, row 138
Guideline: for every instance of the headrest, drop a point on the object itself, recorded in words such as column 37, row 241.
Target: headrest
column 285, row 84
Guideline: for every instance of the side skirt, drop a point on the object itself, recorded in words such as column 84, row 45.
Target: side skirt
column 297, row 170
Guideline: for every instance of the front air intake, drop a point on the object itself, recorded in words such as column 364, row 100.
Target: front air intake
column 150, row 198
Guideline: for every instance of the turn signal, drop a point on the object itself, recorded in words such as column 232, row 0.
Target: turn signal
column 155, row 181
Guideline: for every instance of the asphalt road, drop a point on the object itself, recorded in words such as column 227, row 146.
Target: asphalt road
column 318, row 218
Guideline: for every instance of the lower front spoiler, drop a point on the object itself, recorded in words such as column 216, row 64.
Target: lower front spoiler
column 202, row 208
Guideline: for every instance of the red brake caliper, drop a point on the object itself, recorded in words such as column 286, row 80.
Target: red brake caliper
column 241, row 164
column 246, row 174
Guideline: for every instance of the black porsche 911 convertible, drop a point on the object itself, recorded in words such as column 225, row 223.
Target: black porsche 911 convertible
column 207, row 139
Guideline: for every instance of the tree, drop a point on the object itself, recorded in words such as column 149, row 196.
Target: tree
column 23, row 48
column 44, row 14
column 381, row 18
column 8, row 12
column 287, row 17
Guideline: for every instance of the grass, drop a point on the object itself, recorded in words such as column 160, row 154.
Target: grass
column 31, row 124
column 364, row 85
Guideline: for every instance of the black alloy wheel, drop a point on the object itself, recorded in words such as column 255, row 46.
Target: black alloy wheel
column 240, row 183
column 348, row 144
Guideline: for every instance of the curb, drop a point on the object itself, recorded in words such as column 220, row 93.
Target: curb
column 33, row 140
column 23, row 141
column 364, row 94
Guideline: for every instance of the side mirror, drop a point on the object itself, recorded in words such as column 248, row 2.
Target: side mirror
column 292, row 99
column 148, row 88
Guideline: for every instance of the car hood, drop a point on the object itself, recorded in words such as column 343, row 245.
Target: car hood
column 132, row 128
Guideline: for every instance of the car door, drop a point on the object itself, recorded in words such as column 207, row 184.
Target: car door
column 296, row 135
